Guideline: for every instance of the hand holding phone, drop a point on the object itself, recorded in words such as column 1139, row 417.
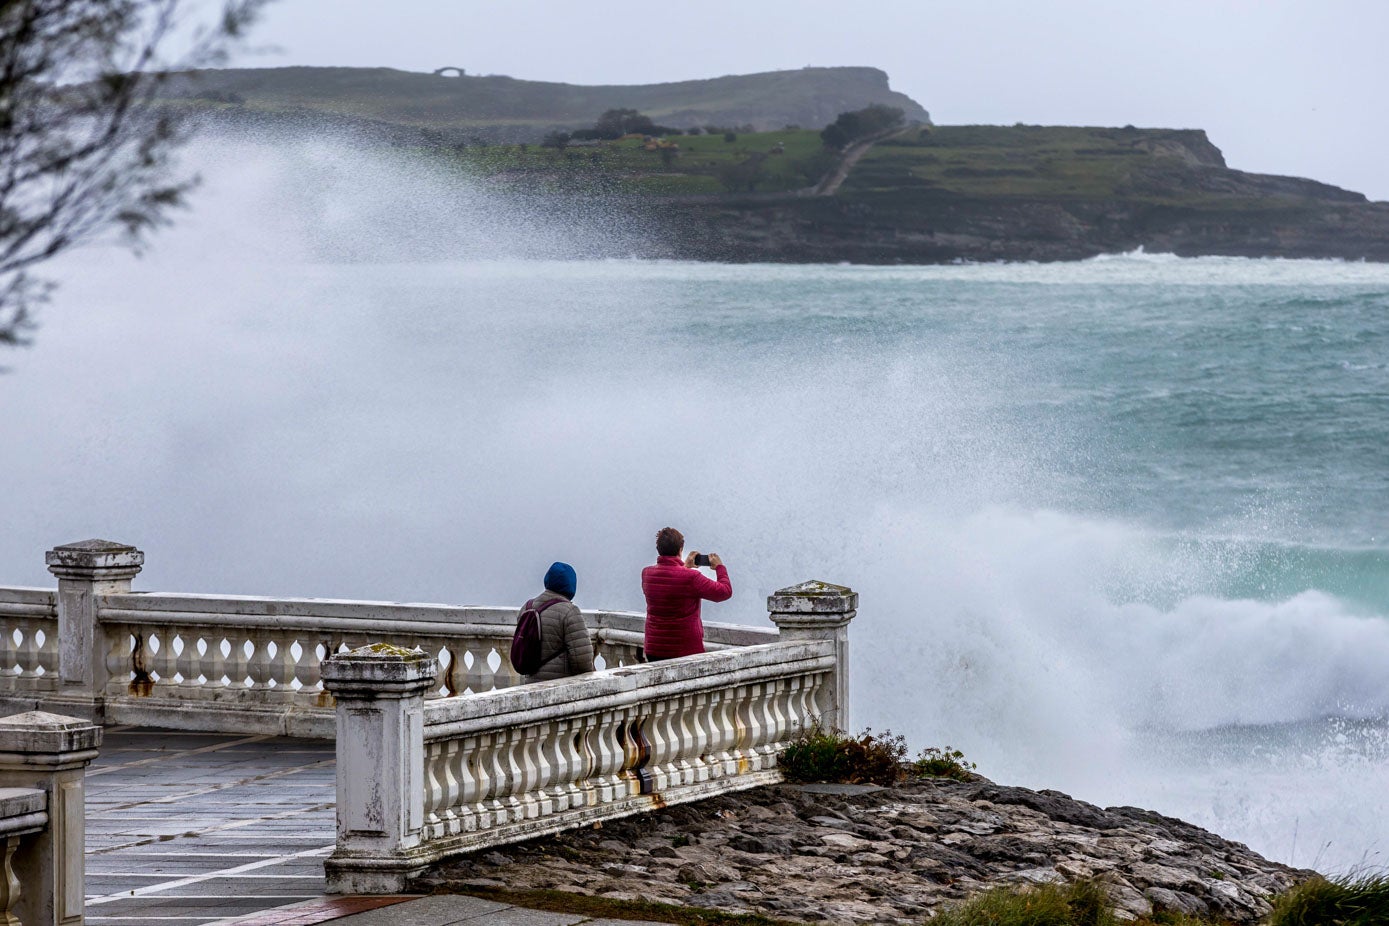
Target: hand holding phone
column 701, row 559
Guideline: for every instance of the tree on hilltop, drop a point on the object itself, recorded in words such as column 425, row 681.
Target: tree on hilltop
column 83, row 148
column 556, row 140
column 618, row 122
column 849, row 127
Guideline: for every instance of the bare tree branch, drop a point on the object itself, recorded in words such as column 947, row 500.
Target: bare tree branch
column 84, row 145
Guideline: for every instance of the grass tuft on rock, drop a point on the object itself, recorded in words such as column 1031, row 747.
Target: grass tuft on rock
column 935, row 762
column 828, row 755
column 1355, row 900
column 818, row 754
column 1082, row 903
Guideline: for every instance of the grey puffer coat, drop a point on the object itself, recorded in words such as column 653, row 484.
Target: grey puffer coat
column 564, row 641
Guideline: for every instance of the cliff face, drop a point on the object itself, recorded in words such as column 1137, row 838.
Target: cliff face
column 1037, row 193
column 856, row 854
column 940, row 228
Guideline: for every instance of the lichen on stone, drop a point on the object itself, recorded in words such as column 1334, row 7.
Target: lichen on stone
column 387, row 649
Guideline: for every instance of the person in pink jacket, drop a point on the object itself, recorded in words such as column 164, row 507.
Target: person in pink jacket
column 674, row 589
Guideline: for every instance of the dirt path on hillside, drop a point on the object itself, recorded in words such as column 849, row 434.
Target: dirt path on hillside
column 830, row 185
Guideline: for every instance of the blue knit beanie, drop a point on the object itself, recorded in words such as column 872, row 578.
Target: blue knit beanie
column 561, row 579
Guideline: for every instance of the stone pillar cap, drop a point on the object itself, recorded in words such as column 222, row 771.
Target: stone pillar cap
column 94, row 554
column 813, row 597
column 49, row 734
column 379, row 667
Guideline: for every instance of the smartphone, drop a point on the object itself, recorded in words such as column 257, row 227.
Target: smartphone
column 701, row 559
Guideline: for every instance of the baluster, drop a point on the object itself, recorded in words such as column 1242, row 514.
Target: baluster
column 21, row 658
column 215, row 661
column 559, row 765
column 724, row 723
column 634, row 753
column 307, row 668
column 450, row 769
column 452, row 676
column 237, row 661
column 527, row 756
column 433, row 789
column 765, row 742
column 283, row 668
column 781, row 715
column 495, row 803
column 796, row 706
column 186, row 661
column 493, row 668
column 757, row 725
column 682, row 770
column 744, row 734
column 48, row 652
column 660, row 734
column 477, row 780
column 804, row 702
column 118, row 659
column 700, row 714
column 609, row 758
column 165, row 658
column 10, row 888
column 518, row 796
column 504, row 768
column 258, row 665
column 585, row 761
column 475, row 668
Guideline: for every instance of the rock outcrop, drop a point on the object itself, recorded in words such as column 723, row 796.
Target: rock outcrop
column 854, row 854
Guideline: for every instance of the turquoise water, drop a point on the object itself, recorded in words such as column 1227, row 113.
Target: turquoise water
column 1118, row 525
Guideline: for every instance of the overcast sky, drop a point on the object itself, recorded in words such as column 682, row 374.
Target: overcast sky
column 1281, row 86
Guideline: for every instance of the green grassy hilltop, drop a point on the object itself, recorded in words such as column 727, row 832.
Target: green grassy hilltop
column 493, row 108
column 778, row 161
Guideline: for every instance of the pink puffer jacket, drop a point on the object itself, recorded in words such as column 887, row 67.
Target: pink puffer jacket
column 673, row 592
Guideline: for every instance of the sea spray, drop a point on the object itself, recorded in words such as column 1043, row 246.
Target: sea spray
column 1117, row 525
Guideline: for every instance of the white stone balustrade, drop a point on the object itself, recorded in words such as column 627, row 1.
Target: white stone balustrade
column 29, row 641
column 43, row 762
column 249, row 663
column 516, row 763
column 440, row 750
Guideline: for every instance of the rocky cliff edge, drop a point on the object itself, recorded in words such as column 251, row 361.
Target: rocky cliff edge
column 863, row 854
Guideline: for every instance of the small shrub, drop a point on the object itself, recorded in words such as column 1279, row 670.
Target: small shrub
column 828, row 755
column 730, row 136
column 1083, row 903
column 1356, row 900
column 944, row 763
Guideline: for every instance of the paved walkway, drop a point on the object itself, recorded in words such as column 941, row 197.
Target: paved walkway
column 204, row 828
column 190, row 828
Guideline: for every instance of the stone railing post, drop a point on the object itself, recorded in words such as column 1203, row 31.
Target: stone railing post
column 50, row 753
column 85, row 571
column 380, row 735
column 820, row 611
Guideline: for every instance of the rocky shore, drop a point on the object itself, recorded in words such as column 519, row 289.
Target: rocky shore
column 845, row 853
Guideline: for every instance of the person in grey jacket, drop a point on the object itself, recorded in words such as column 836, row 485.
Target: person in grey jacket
column 565, row 647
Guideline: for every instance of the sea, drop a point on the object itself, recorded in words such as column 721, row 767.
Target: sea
column 1118, row 526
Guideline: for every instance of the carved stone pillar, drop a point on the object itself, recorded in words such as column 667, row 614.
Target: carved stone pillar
column 50, row 753
column 380, row 735
column 820, row 611
column 86, row 571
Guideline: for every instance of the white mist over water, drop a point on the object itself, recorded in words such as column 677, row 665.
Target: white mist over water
column 345, row 376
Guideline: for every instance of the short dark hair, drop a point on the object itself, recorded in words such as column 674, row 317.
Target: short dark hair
column 669, row 542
